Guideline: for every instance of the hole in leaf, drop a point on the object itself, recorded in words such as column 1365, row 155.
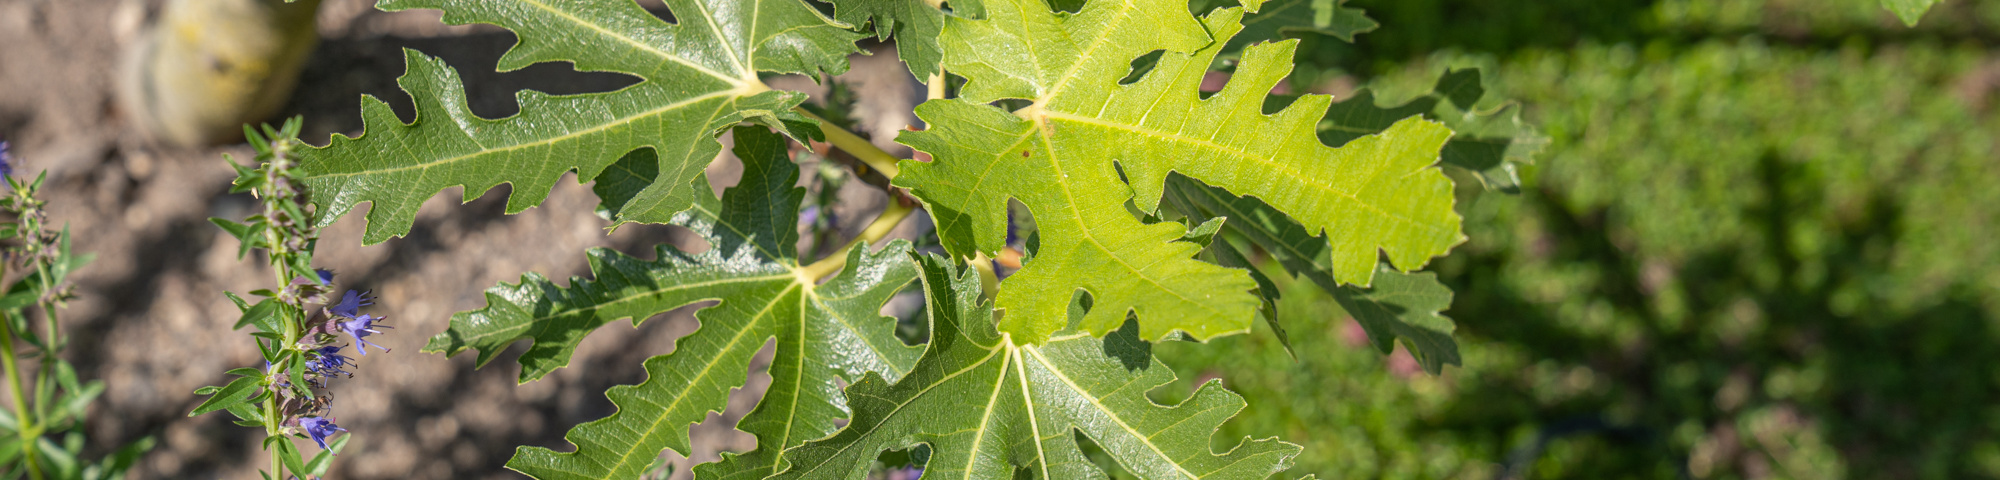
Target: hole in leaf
column 346, row 68
column 1141, row 66
column 1099, row 457
column 1079, row 304
column 1071, row 6
column 1126, row 346
column 658, row 8
column 913, row 458
column 1012, row 104
column 1023, row 238
column 907, row 307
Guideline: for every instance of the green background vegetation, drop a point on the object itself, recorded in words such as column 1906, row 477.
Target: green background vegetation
column 1762, row 243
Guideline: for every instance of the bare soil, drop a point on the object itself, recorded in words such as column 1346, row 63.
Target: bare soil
column 151, row 320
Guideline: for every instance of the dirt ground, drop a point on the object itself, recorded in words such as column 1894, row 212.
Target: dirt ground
column 151, row 320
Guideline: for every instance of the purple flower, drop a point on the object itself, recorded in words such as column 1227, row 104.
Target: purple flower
column 6, row 163
column 350, row 304
column 325, row 276
column 360, row 327
column 319, row 428
column 328, row 362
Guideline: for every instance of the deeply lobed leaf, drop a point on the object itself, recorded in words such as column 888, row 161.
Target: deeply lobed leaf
column 1276, row 19
column 825, row 333
column 698, row 76
column 1399, row 305
column 914, row 24
column 1490, row 142
column 1089, row 144
column 988, row 407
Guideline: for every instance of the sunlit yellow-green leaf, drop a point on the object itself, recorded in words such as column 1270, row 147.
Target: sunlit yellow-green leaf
column 1087, row 144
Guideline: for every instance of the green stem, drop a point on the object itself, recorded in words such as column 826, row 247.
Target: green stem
column 280, row 260
column 891, row 215
column 934, row 88
column 989, row 280
column 854, row 145
column 271, row 430
column 28, row 430
column 52, row 343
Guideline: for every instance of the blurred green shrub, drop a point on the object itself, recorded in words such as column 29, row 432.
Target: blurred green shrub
column 1745, row 255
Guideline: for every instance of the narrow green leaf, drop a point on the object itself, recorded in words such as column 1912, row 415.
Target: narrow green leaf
column 323, row 460
column 236, row 392
column 247, row 414
column 55, row 460
column 698, row 76
column 10, row 450
column 241, row 306
column 114, row 466
column 263, row 316
column 17, row 299
column 76, row 403
column 289, row 453
column 987, row 407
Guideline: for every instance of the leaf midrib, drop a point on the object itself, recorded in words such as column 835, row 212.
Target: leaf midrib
column 532, row 323
column 820, row 302
column 921, row 393
column 737, row 339
column 484, row 150
column 1108, row 412
column 643, row 46
column 1063, row 81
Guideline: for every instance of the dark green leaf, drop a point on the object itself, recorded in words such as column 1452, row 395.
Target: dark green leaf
column 826, row 333
column 114, row 466
column 987, row 407
column 913, row 23
column 263, row 315
column 1405, row 306
column 1491, row 142
column 698, row 76
column 324, row 459
column 236, row 392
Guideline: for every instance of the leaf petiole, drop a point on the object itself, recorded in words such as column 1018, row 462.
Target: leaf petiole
column 890, row 217
column 853, row 144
